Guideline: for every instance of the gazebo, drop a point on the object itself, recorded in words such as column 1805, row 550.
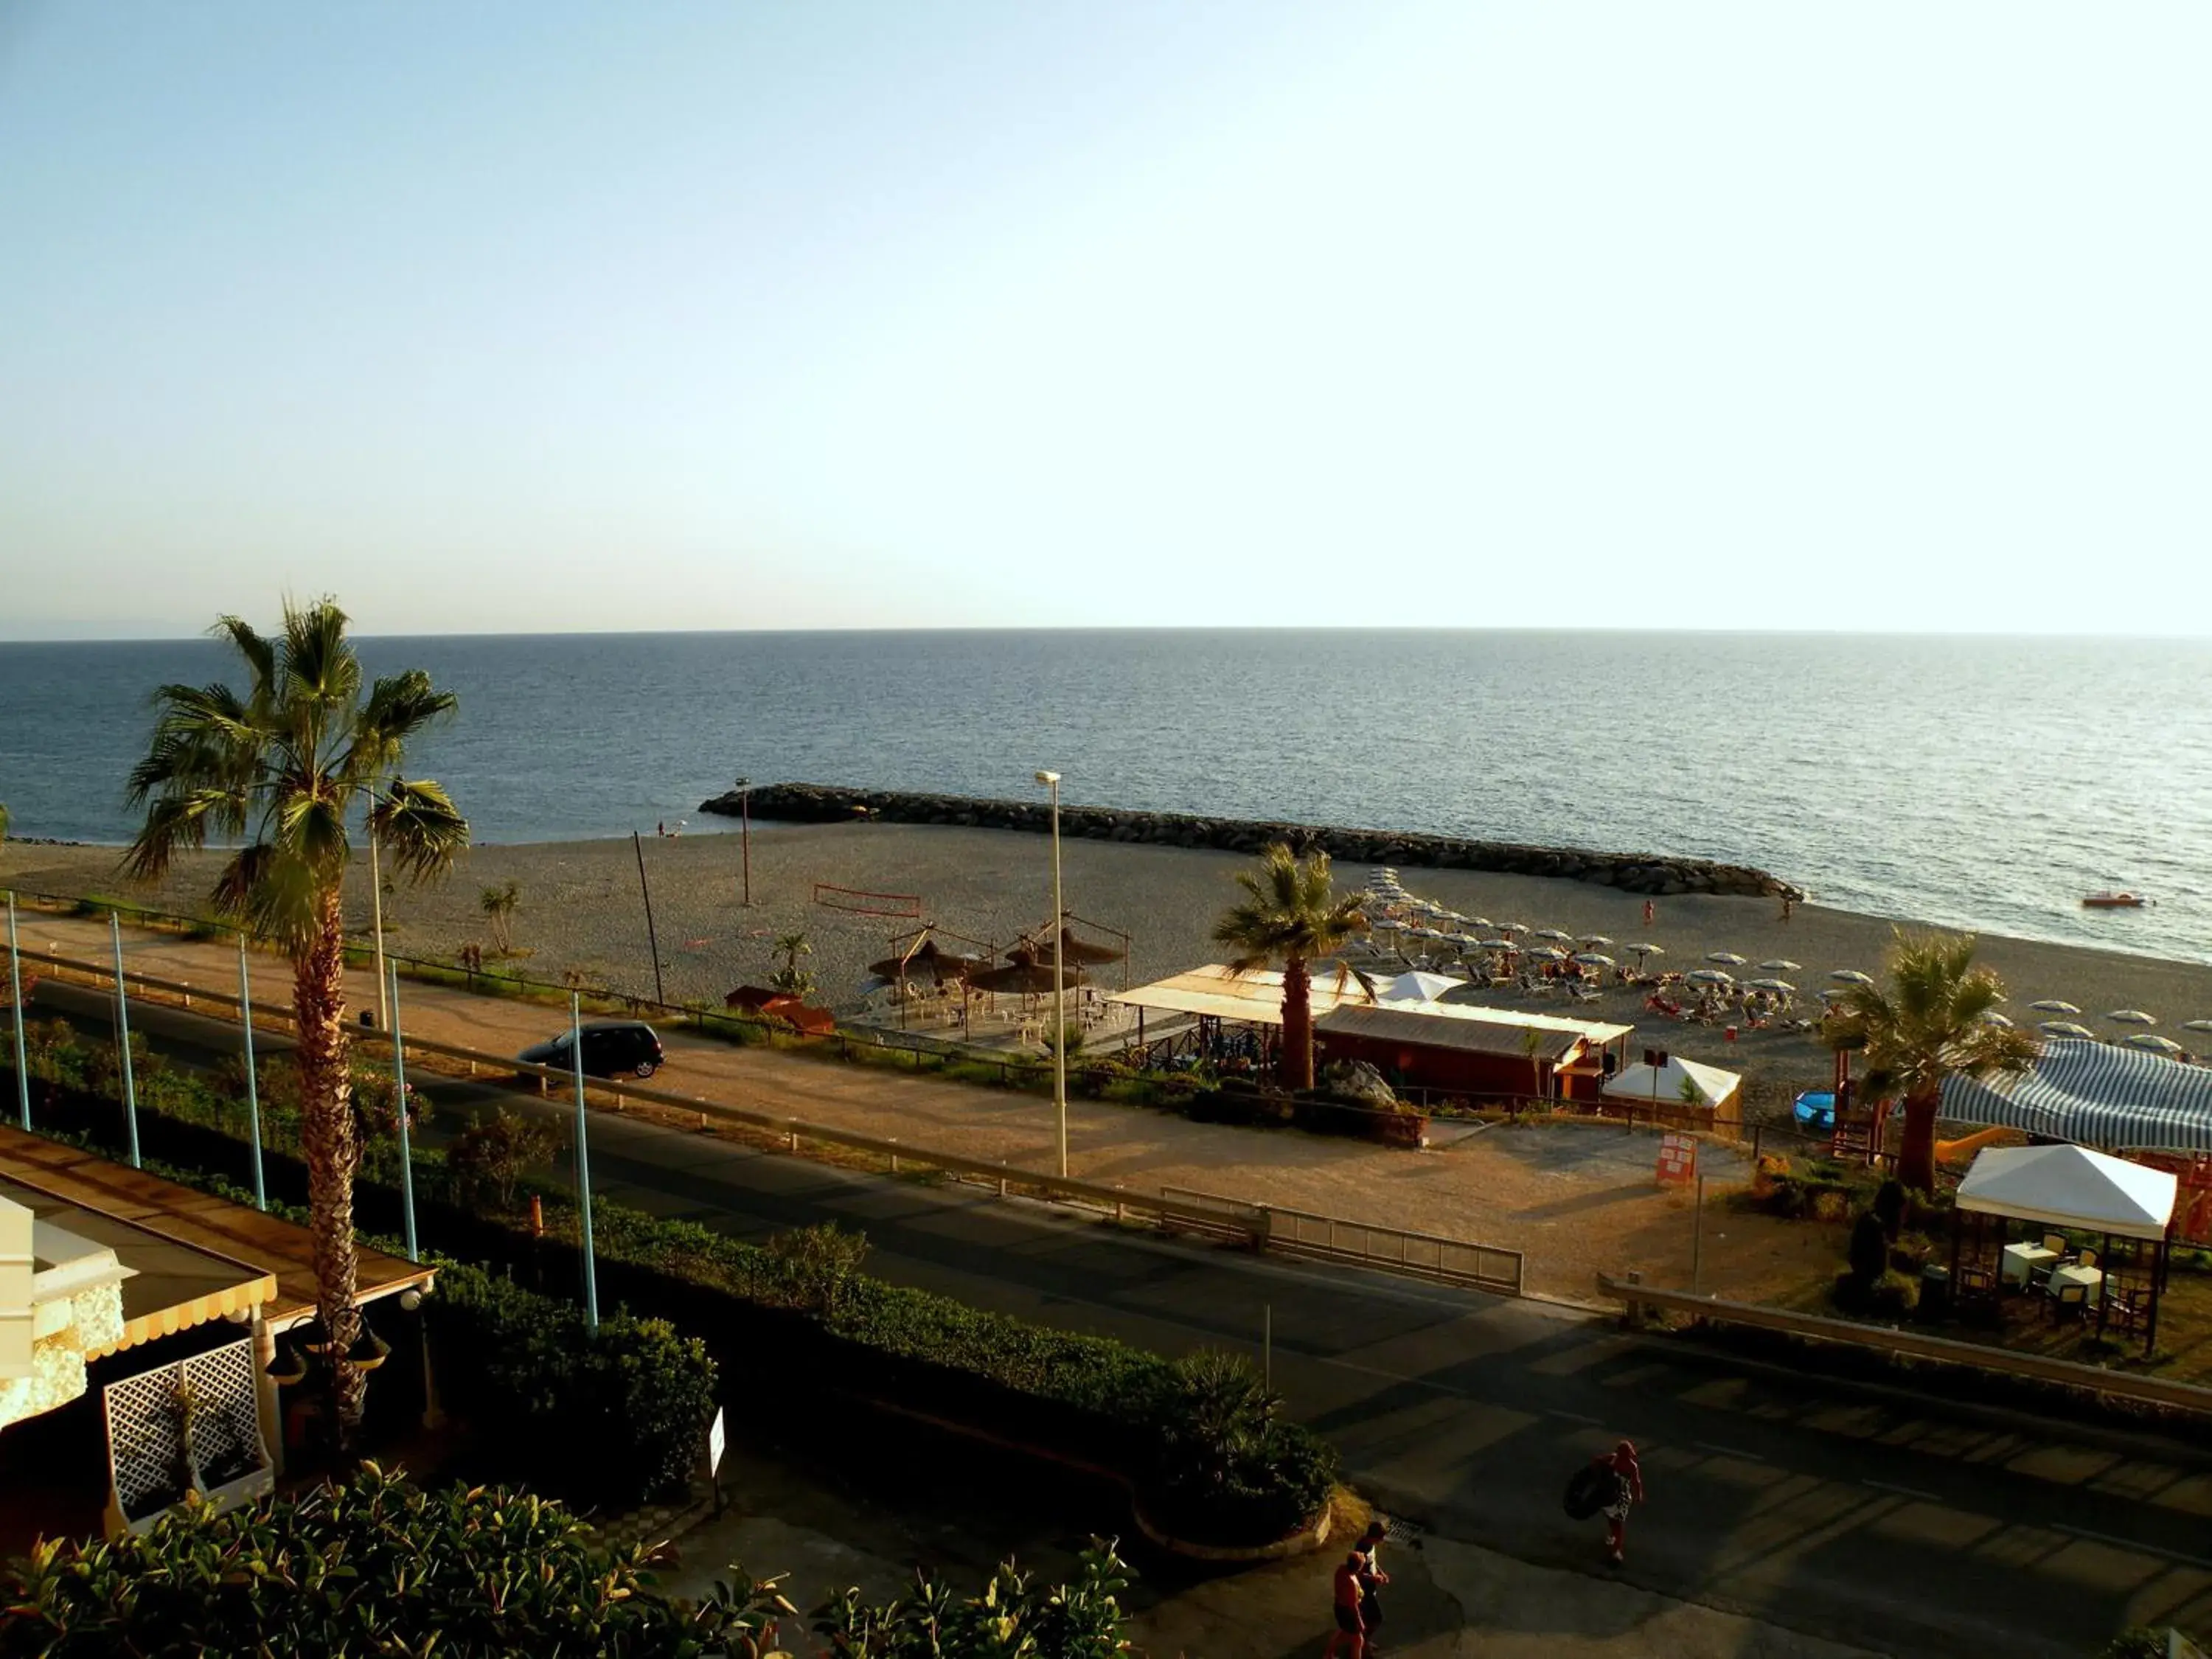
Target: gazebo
column 2073, row 1187
column 1704, row 1095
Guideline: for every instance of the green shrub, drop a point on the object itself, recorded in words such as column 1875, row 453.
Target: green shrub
column 1889, row 1295
column 377, row 1565
column 1227, row 1469
column 614, row 1416
column 488, row 1160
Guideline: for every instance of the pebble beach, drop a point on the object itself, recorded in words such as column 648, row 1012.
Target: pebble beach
column 581, row 909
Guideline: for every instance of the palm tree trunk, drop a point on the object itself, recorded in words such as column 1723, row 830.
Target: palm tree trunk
column 1916, row 1156
column 327, row 1133
column 1298, row 1025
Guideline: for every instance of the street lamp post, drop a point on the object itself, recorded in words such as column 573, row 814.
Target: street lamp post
column 376, row 912
column 123, row 1039
column 745, row 788
column 16, row 1000
column 1051, row 782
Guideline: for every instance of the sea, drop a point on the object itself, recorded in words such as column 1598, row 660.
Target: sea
column 1980, row 782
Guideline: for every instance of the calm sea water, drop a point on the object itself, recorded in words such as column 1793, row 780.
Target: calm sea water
column 1982, row 782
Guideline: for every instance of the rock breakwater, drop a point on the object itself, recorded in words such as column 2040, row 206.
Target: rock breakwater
column 1632, row 872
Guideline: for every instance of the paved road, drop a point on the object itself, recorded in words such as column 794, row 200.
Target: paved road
column 1909, row 1529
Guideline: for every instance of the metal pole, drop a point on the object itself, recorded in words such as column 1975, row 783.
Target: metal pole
column 123, row 1040
column 1267, row 1345
column 252, row 1083
column 745, row 837
column 15, row 996
column 399, row 1096
column 376, row 900
column 584, row 1161
column 652, row 937
column 1697, row 1236
column 1059, row 990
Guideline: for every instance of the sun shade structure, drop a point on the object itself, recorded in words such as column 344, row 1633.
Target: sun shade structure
column 2055, row 1006
column 1026, row 976
column 2070, row 1187
column 2100, row 1094
column 1712, row 1086
column 1423, row 1027
column 1416, row 987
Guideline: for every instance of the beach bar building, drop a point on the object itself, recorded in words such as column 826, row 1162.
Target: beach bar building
column 1446, row 1047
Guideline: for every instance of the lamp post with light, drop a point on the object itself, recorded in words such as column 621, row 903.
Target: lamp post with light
column 745, row 788
column 1051, row 782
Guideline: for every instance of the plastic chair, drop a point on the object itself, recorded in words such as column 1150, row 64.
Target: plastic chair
column 2088, row 1258
column 2055, row 1243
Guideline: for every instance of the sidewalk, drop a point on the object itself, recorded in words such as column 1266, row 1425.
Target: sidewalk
column 1576, row 1198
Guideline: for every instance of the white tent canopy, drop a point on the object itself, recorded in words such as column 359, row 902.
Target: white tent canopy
column 2070, row 1187
column 1712, row 1085
column 1415, row 987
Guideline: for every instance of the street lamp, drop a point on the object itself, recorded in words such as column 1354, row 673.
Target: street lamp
column 1051, row 780
column 745, row 788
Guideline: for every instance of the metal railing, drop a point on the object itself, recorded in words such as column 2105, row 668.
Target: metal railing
column 1173, row 1209
column 1301, row 1232
column 1913, row 1344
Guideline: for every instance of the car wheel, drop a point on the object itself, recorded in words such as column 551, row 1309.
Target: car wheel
column 646, row 1067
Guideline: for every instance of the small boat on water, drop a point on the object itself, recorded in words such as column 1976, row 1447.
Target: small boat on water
column 2114, row 901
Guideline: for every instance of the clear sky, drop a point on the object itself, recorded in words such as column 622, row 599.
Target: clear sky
column 545, row 316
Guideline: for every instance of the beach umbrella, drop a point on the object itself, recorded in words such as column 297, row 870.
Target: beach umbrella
column 926, row 960
column 1598, row 941
column 1782, row 965
column 1596, row 959
column 2064, row 1027
column 1548, row 953
column 1850, row 976
column 2197, row 1024
column 1728, row 957
column 1026, row 976
column 1996, row 1020
column 1513, row 927
column 1497, row 944
column 1075, row 950
column 2156, row 1044
column 1781, row 986
column 2054, row 1005
column 1708, row 976
column 1556, row 935
column 1481, row 924
column 1644, row 948
column 1830, row 993
column 2130, row 1016
column 1416, row 987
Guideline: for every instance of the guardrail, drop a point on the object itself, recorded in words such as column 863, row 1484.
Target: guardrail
column 1176, row 1209
column 1301, row 1232
column 1913, row 1344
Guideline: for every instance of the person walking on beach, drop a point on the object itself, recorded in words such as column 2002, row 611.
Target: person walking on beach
column 1628, row 1489
column 1787, row 901
column 1344, row 1584
column 1651, row 913
column 1371, row 1583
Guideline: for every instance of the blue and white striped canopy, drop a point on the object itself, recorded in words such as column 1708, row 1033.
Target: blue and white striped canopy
column 2095, row 1094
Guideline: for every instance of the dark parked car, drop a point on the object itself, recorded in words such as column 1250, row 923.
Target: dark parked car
column 611, row 1047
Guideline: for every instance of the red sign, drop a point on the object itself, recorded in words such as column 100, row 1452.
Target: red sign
column 1678, row 1160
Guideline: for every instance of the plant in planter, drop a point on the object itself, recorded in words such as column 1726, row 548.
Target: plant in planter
column 1227, row 1470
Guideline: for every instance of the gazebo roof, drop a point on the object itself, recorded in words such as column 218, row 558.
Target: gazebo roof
column 2070, row 1187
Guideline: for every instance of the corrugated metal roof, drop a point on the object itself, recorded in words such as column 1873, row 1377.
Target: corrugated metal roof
column 1422, row 1029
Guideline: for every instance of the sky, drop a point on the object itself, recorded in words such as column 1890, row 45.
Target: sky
column 540, row 317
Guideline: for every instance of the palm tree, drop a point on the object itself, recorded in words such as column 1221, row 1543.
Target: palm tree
column 275, row 772
column 790, row 978
column 498, row 904
column 1925, row 1025
column 1289, row 914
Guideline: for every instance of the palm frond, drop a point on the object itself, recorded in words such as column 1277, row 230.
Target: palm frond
column 319, row 666
column 399, row 706
column 418, row 825
column 257, row 653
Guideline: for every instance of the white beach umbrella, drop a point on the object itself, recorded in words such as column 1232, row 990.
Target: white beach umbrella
column 1850, row 976
column 1596, row 959
column 1730, row 958
column 2156, row 1044
column 1781, row 986
column 1709, row 976
column 1548, row 953
column 1993, row 1017
column 1645, row 948
column 1497, row 944
column 1481, row 924
column 1782, row 965
column 1513, row 927
column 1416, row 987
column 2054, row 1005
column 2064, row 1027
column 1557, row 936
column 2197, row 1024
column 1598, row 941
column 1830, row 993
column 2130, row 1016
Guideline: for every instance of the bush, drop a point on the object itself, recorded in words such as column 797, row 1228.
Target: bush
column 488, row 1160
column 1226, row 1469
column 377, row 1566
column 1889, row 1295
column 613, row 1417
column 1869, row 1252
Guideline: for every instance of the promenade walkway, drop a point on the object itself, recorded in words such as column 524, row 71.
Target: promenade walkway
column 1575, row 1198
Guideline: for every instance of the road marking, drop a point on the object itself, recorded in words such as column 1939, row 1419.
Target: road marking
column 2131, row 1544
column 1727, row 1451
column 1571, row 1417
column 1903, row 1491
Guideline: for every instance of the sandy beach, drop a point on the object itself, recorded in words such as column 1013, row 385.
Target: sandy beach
column 581, row 910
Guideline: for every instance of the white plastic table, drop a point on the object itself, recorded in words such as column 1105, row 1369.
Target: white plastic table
column 2091, row 1279
column 2019, row 1258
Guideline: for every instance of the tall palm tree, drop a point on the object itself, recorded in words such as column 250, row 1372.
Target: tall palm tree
column 1924, row 1025
column 1291, row 914
column 276, row 771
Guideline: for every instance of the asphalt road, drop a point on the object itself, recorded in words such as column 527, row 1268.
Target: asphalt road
column 1915, row 1528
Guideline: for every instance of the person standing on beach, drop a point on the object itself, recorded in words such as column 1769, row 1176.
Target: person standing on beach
column 1628, row 1477
column 1786, row 903
column 1651, row 913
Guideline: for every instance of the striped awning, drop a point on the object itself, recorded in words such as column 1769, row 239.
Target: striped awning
column 2095, row 1094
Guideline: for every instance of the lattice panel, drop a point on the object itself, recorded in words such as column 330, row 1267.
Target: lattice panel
column 146, row 1426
